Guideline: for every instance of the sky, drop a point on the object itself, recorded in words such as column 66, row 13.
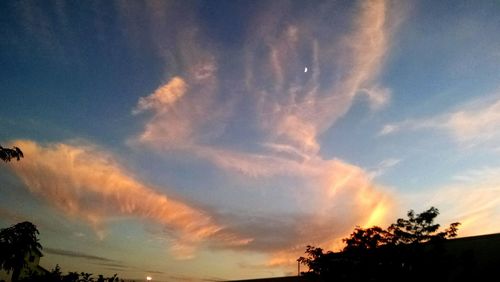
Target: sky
column 214, row 140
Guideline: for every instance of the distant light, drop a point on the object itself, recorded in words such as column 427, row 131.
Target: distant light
column 305, row 70
column 149, row 278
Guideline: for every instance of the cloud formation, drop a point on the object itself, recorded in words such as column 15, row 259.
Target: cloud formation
column 87, row 183
column 74, row 254
column 294, row 108
column 472, row 124
column 473, row 199
column 163, row 97
column 291, row 108
column 287, row 109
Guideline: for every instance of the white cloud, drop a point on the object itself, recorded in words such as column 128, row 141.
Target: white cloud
column 472, row 124
column 477, row 123
column 389, row 128
column 383, row 166
column 473, row 200
column 378, row 97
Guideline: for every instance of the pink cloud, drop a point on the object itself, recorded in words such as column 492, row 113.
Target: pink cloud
column 87, row 183
column 296, row 109
column 163, row 97
column 292, row 110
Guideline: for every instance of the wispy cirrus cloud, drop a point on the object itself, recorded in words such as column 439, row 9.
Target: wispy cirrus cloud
column 379, row 97
column 383, row 166
column 282, row 111
column 472, row 199
column 471, row 124
column 185, row 111
column 86, row 182
column 330, row 189
column 11, row 216
column 291, row 108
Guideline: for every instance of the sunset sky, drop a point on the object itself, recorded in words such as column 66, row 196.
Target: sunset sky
column 211, row 140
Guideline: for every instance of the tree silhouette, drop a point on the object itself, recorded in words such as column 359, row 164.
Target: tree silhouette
column 420, row 228
column 16, row 242
column 366, row 239
column 315, row 260
column 409, row 248
column 20, row 241
column 7, row 154
column 86, row 277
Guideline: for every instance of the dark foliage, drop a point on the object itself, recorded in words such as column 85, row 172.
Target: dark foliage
column 19, row 241
column 420, row 228
column 15, row 243
column 7, row 154
column 408, row 250
column 366, row 239
column 56, row 276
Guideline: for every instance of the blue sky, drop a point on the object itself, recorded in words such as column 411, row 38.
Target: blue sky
column 197, row 140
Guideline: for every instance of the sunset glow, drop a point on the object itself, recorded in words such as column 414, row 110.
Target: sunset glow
column 215, row 140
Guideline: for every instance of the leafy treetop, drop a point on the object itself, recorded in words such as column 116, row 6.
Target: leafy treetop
column 379, row 249
column 7, row 154
column 16, row 242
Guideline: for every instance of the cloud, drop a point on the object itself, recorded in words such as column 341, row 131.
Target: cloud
column 74, row 254
column 389, row 129
column 471, row 124
column 294, row 113
column 383, row 166
column 86, row 182
column 293, row 107
column 165, row 127
column 473, row 200
column 284, row 109
column 12, row 217
column 338, row 198
column 155, row 271
column 163, row 97
column 184, row 111
column 290, row 109
column 478, row 122
column 379, row 97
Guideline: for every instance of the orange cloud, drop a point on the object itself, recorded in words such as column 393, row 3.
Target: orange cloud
column 164, row 96
column 184, row 112
column 335, row 197
column 88, row 183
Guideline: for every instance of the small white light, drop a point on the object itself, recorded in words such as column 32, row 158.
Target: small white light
column 149, row 278
column 305, row 70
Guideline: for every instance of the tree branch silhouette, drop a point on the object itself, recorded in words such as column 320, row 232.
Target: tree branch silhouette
column 7, row 154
